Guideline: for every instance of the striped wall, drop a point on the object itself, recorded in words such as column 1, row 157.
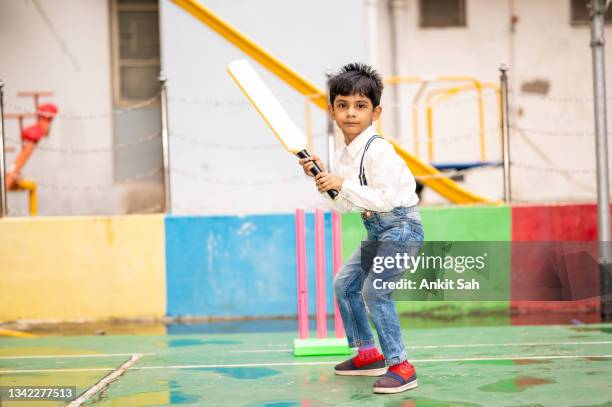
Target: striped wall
column 225, row 266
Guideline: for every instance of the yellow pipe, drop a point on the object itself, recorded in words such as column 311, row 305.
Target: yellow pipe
column 16, row 334
column 30, row 186
column 483, row 140
column 252, row 49
column 430, row 150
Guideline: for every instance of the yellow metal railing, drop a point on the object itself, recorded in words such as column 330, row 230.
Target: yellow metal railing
column 424, row 82
column 437, row 96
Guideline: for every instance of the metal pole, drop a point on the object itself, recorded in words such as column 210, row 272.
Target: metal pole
column 505, row 131
column 3, row 208
column 597, row 13
column 165, row 143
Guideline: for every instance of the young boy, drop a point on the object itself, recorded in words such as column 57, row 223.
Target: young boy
column 372, row 179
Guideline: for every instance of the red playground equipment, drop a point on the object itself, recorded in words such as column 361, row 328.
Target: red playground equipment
column 30, row 136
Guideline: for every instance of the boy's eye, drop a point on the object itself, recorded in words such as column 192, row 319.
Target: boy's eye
column 361, row 106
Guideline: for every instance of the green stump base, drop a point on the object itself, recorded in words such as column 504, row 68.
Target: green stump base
column 321, row 347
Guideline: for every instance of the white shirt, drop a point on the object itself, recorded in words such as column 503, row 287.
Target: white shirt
column 390, row 182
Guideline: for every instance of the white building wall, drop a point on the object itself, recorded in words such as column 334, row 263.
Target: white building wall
column 544, row 47
column 73, row 60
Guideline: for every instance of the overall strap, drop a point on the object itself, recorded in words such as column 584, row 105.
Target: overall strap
column 362, row 177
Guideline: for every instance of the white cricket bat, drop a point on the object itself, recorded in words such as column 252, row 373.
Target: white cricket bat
column 270, row 109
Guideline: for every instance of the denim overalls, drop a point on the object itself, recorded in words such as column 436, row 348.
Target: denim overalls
column 354, row 286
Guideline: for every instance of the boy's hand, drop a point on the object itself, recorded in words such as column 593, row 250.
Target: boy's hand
column 326, row 181
column 307, row 164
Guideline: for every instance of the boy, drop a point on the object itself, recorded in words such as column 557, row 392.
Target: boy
column 372, row 179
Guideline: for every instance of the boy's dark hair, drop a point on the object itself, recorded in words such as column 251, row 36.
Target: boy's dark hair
column 356, row 79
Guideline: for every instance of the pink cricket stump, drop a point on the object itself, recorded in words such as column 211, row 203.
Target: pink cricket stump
column 302, row 286
column 337, row 253
column 320, row 273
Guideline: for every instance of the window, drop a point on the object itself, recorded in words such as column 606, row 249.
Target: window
column 135, row 45
column 580, row 11
column 442, row 13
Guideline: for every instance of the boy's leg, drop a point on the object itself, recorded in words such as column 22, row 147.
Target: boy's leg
column 348, row 285
column 384, row 315
column 407, row 239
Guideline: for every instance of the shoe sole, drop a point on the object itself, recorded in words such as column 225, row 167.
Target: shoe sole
column 369, row 372
column 392, row 390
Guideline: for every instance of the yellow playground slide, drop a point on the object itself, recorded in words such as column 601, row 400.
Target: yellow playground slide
column 426, row 174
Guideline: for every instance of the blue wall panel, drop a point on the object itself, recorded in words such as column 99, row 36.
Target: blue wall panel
column 238, row 266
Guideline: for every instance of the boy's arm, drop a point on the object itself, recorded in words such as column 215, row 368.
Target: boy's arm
column 384, row 171
column 340, row 204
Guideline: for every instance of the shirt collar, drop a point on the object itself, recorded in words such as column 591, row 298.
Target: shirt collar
column 360, row 141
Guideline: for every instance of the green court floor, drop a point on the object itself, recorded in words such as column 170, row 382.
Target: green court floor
column 461, row 366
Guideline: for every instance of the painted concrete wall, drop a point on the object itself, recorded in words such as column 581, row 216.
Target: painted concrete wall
column 229, row 266
column 82, row 268
column 239, row 266
column 554, row 223
column 467, row 223
column 225, row 159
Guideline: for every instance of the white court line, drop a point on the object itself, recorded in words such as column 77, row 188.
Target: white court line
column 322, row 363
column 86, row 355
column 261, row 351
column 104, row 382
column 467, row 345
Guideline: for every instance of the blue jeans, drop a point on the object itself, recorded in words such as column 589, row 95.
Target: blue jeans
column 356, row 293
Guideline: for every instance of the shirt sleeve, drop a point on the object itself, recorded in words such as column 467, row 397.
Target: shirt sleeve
column 339, row 204
column 383, row 168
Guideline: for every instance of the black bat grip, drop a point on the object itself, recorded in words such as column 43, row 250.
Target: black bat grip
column 333, row 194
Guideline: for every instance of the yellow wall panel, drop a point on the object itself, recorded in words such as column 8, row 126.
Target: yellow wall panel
column 82, row 267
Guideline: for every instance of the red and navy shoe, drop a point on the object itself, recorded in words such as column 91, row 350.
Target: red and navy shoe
column 368, row 363
column 398, row 378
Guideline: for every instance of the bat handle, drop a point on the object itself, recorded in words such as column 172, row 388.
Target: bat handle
column 333, row 194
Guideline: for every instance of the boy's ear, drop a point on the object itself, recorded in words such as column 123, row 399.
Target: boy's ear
column 376, row 113
column 330, row 109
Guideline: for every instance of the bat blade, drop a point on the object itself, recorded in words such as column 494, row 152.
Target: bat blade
column 268, row 106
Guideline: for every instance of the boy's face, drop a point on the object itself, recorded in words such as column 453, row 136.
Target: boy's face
column 353, row 114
